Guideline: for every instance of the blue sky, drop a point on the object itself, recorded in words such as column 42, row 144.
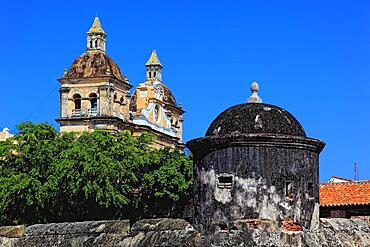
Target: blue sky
column 309, row 57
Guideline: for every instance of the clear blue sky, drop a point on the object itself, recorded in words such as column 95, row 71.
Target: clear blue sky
column 309, row 57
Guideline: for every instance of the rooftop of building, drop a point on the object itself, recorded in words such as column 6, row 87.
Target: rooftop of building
column 345, row 193
column 339, row 179
column 255, row 117
column 94, row 64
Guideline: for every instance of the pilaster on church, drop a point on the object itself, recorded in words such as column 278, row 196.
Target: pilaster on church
column 64, row 102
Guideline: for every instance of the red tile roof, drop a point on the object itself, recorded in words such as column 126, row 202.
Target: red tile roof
column 345, row 193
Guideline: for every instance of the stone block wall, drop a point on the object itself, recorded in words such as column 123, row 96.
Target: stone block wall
column 177, row 232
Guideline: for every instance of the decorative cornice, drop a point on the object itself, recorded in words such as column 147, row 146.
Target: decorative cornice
column 204, row 145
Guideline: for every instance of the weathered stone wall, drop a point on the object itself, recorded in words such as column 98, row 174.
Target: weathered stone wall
column 178, row 232
column 272, row 183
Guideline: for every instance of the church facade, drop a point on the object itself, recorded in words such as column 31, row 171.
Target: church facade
column 95, row 95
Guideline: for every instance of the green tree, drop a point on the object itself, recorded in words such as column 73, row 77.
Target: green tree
column 166, row 184
column 51, row 177
column 24, row 172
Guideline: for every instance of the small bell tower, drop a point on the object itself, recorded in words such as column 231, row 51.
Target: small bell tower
column 153, row 67
column 96, row 37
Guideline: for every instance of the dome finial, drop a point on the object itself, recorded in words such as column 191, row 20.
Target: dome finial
column 254, row 98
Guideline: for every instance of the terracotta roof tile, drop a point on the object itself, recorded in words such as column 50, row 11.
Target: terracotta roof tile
column 346, row 193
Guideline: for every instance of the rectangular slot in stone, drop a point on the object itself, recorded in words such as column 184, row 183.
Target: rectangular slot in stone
column 225, row 182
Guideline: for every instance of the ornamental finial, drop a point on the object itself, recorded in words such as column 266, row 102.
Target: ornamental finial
column 107, row 71
column 254, row 98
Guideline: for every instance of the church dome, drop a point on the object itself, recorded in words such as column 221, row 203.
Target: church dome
column 255, row 118
column 168, row 97
column 94, row 64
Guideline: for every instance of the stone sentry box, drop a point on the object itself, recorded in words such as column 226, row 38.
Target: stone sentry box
column 255, row 163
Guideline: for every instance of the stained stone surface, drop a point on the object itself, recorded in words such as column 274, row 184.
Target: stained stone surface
column 11, row 231
column 268, row 179
column 255, row 118
column 177, row 232
column 255, row 162
column 86, row 227
column 161, row 224
column 94, row 64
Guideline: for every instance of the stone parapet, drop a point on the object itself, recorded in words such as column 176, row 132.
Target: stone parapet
column 178, row 232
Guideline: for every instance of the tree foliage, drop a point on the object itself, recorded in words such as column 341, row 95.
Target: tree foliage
column 51, row 177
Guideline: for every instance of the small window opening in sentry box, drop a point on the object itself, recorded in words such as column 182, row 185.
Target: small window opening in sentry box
column 288, row 188
column 225, row 182
column 310, row 190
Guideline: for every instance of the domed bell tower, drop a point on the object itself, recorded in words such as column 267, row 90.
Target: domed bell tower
column 153, row 105
column 96, row 37
column 153, row 68
column 93, row 93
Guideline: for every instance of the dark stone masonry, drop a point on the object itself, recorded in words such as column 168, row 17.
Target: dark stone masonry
column 255, row 163
column 178, row 232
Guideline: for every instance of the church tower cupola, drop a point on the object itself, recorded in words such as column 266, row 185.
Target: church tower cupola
column 153, row 67
column 96, row 37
